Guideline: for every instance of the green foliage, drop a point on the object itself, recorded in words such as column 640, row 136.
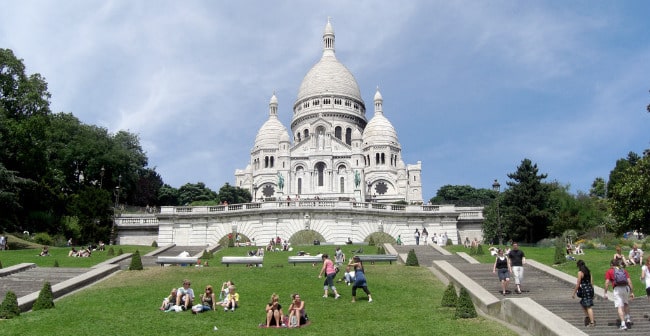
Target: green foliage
column 525, row 210
column 234, row 195
column 45, row 298
column 371, row 241
column 0, row 264
column 463, row 195
column 206, row 255
column 9, row 308
column 465, row 307
column 120, row 252
column 449, row 297
column 231, row 241
column 560, row 252
column 154, row 244
column 380, row 238
column 381, row 249
column 412, row 259
column 479, row 250
column 56, row 263
column 136, row 262
column 43, row 238
column 110, row 252
column 630, row 195
column 449, row 242
column 189, row 193
column 71, row 227
column 473, row 250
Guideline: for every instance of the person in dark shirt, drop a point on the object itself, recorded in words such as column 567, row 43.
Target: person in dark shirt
column 517, row 261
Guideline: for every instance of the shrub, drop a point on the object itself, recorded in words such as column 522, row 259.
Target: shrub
column 479, row 250
column 43, row 238
column 56, row 263
column 472, row 250
column 560, row 252
column 110, row 252
column 449, row 242
column 119, row 251
column 449, row 297
column 412, row 259
column 371, row 241
column 136, row 262
column 45, row 298
column 231, row 242
column 9, row 308
column 465, row 306
column 154, row 244
column 206, row 255
column 0, row 264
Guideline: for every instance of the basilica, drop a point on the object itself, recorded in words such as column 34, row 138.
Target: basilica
column 333, row 151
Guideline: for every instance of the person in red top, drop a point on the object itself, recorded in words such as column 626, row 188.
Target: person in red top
column 621, row 293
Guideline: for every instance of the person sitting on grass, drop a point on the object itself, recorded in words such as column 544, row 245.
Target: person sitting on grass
column 349, row 275
column 185, row 295
column 232, row 301
column 636, row 255
column 208, row 301
column 297, row 315
column 45, row 252
column 274, row 312
column 169, row 301
column 73, row 253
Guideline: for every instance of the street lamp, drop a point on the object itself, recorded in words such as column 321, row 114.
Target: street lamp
column 115, row 214
column 497, row 188
column 101, row 179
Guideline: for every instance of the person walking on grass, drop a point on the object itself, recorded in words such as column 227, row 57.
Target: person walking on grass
column 584, row 289
column 619, row 279
column 645, row 277
column 359, row 278
column 330, row 272
column 503, row 269
column 517, row 261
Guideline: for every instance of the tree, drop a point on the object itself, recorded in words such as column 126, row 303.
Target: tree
column 198, row 192
column 619, row 170
column 526, row 214
column 630, row 197
column 168, row 195
column 45, row 298
column 234, row 195
column 598, row 188
column 462, row 195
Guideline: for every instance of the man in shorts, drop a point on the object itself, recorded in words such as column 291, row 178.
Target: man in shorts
column 622, row 292
column 517, row 261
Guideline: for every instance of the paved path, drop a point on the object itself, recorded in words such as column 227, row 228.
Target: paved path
column 551, row 292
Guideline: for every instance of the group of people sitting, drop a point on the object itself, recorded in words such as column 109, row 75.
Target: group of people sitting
column 275, row 316
column 82, row 252
column 635, row 257
column 182, row 298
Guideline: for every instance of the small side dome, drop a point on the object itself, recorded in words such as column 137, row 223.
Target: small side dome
column 356, row 134
column 272, row 132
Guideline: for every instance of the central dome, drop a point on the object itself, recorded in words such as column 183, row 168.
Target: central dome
column 329, row 76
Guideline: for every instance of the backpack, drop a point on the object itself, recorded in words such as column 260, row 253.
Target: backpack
column 620, row 278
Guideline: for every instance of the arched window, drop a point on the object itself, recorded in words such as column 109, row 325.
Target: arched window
column 266, row 162
column 272, row 161
column 306, row 133
column 348, row 136
column 298, row 136
column 299, row 186
column 377, row 159
column 342, row 184
column 337, row 132
column 383, row 158
column 320, row 167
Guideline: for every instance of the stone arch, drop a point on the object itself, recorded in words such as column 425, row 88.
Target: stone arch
column 305, row 237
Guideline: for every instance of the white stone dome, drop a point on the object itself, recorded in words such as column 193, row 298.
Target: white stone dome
column 272, row 131
column 380, row 131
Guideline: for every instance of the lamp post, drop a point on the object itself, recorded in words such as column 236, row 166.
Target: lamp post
column 254, row 192
column 115, row 213
column 497, row 188
column 101, row 179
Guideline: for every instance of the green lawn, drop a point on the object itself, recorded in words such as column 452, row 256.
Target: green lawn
column 405, row 299
column 60, row 254
column 597, row 261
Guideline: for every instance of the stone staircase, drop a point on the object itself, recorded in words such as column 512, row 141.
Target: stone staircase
column 551, row 292
column 32, row 279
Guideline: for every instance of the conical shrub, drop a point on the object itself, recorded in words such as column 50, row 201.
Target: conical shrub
column 465, row 307
column 559, row 257
column 0, row 264
column 412, row 259
column 111, row 252
column 45, row 298
column 154, row 244
column 56, row 263
column 449, row 297
column 479, row 250
column 449, row 242
column 120, row 252
column 206, row 255
column 136, row 262
column 9, row 308
column 473, row 250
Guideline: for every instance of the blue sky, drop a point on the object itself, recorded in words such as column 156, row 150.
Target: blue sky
column 472, row 87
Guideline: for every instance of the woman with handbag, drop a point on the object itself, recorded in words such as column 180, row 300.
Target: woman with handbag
column 584, row 289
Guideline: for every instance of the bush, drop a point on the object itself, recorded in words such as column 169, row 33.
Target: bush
column 45, row 298
column 136, row 262
column 479, row 250
column 110, row 252
column 43, row 238
column 371, row 241
column 56, row 263
column 473, row 250
column 0, row 264
column 465, row 307
column 120, row 252
column 206, row 255
column 412, row 259
column 449, row 242
column 449, row 297
column 560, row 252
column 154, row 244
column 9, row 308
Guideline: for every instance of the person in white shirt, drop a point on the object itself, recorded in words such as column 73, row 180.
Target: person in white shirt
column 636, row 255
column 645, row 276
